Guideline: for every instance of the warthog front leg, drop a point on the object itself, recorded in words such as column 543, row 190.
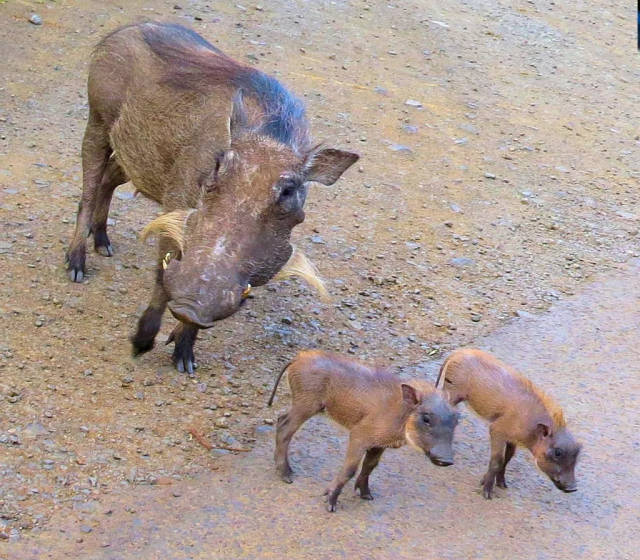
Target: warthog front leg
column 149, row 323
column 184, row 336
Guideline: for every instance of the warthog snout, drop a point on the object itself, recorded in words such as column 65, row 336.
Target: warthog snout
column 188, row 313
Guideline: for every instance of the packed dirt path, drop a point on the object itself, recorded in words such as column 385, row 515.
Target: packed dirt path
column 420, row 511
column 499, row 173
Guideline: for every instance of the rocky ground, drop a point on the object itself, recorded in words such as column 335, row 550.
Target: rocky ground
column 499, row 172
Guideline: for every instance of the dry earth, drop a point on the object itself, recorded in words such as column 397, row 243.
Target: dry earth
column 498, row 174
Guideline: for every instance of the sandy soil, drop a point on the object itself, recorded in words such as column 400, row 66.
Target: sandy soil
column 505, row 182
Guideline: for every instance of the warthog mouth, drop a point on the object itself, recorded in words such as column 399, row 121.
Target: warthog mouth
column 566, row 489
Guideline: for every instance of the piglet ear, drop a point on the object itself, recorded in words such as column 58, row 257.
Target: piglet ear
column 409, row 395
column 543, row 430
column 326, row 166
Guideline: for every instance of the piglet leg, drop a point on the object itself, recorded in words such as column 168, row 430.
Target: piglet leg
column 355, row 451
column 509, row 451
column 371, row 460
column 496, row 461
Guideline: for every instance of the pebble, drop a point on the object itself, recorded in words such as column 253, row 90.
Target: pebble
column 287, row 320
column 34, row 430
column 264, row 429
column 317, row 239
column 524, row 314
column 410, row 128
column 35, row 19
column 413, row 103
column 85, row 528
column 489, row 175
column 268, row 421
column 400, row 148
column 221, row 423
column 461, row 262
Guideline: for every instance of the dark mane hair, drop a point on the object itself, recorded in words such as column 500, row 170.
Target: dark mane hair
column 194, row 63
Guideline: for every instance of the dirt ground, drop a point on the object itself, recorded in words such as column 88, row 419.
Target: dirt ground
column 498, row 174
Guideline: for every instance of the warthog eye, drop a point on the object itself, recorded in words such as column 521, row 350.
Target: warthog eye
column 557, row 453
column 426, row 419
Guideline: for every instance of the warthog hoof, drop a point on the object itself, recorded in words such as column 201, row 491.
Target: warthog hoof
column 102, row 244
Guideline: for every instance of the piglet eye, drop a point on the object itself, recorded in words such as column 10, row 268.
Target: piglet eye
column 557, row 453
column 426, row 419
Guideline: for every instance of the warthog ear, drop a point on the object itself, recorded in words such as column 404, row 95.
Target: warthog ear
column 326, row 166
column 409, row 395
column 170, row 226
column 237, row 116
column 224, row 162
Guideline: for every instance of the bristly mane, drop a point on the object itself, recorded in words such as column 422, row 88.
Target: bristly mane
column 194, row 63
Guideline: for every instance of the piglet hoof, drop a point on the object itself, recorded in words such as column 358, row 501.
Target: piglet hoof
column 366, row 496
column 332, row 500
column 286, row 475
column 501, row 482
column 487, row 486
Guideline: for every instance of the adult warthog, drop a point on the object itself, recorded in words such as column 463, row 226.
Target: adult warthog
column 226, row 151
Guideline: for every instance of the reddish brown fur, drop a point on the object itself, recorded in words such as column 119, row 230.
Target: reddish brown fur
column 371, row 402
column 519, row 413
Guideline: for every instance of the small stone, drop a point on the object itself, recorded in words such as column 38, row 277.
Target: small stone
column 286, row 320
column 13, row 396
column 264, row 429
column 85, row 528
column 413, row 103
column 317, row 239
column 221, row 423
column 524, row 314
column 476, row 317
column 489, row 175
column 400, row 148
column 461, row 262
column 35, row 19
column 268, row 421
column 176, row 494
